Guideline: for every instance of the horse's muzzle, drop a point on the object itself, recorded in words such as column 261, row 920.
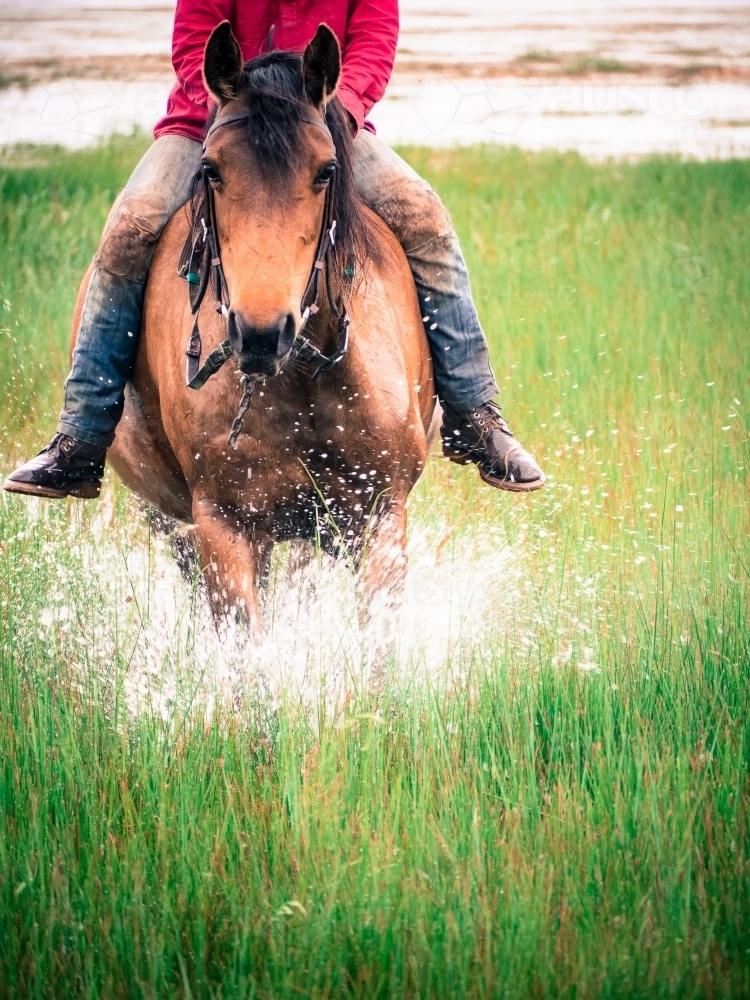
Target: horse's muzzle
column 261, row 350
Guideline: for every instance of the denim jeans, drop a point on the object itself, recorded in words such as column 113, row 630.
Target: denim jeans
column 111, row 317
column 422, row 225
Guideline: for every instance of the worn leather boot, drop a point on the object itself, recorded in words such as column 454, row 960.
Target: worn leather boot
column 483, row 437
column 65, row 468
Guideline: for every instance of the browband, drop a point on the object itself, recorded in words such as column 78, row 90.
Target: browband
column 245, row 116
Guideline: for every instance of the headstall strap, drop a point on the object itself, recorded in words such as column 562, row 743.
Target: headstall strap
column 200, row 261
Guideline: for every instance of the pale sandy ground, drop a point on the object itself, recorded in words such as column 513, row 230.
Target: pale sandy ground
column 605, row 79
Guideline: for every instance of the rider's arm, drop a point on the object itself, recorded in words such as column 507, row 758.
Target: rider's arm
column 193, row 23
column 187, row 105
column 370, row 47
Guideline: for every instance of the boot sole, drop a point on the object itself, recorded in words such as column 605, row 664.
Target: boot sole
column 506, row 484
column 463, row 458
column 86, row 491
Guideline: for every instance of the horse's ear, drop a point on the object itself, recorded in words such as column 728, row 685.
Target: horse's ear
column 321, row 66
column 222, row 63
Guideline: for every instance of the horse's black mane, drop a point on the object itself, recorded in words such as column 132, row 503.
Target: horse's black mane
column 272, row 86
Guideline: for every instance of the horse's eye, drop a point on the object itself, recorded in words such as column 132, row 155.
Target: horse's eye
column 326, row 173
column 210, row 173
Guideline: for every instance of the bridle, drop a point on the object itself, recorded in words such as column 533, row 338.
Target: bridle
column 200, row 261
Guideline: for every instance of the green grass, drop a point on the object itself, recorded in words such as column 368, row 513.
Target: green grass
column 563, row 810
column 583, row 63
column 538, row 56
column 578, row 63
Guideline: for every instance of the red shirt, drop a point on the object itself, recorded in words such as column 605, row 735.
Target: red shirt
column 366, row 29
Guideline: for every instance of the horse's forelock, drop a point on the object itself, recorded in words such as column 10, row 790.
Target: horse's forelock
column 273, row 91
column 273, row 88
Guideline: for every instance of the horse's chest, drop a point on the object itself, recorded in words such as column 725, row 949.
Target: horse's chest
column 315, row 469
column 315, row 490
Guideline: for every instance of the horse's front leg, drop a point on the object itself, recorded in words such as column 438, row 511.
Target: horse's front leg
column 232, row 561
column 383, row 564
column 384, row 561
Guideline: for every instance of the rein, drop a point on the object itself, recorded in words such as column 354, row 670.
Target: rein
column 200, row 261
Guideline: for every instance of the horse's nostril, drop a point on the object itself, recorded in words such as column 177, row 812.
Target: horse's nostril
column 258, row 345
column 287, row 334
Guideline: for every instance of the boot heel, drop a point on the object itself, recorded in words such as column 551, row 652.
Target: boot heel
column 86, row 491
column 459, row 457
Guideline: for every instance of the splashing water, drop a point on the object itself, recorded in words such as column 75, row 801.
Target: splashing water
column 315, row 648
column 121, row 612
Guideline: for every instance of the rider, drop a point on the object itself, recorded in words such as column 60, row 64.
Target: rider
column 473, row 429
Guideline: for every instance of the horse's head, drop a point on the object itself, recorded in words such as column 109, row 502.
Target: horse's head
column 269, row 170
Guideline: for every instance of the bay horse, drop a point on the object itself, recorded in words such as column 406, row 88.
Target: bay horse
column 329, row 459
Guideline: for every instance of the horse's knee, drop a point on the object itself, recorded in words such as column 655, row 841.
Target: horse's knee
column 416, row 214
column 131, row 235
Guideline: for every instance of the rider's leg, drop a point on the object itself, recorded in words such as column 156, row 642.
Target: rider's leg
column 473, row 429
column 111, row 319
column 110, row 323
column 422, row 225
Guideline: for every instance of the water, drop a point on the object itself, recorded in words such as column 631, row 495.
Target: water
column 463, row 74
column 120, row 611
column 315, row 649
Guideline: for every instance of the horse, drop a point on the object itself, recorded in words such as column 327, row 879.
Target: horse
column 338, row 404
